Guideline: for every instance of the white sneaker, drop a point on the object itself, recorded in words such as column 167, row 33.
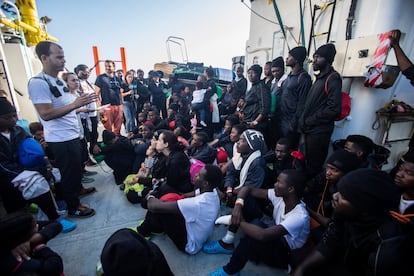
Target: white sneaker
column 224, row 220
column 203, row 123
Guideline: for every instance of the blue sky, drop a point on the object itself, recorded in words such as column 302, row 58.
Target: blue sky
column 214, row 30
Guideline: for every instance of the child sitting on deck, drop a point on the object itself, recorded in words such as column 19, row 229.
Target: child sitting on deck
column 134, row 190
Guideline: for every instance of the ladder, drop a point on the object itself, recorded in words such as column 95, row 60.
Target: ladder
column 317, row 8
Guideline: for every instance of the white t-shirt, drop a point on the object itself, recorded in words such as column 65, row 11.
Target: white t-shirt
column 88, row 87
column 296, row 222
column 200, row 213
column 198, row 96
column 404, row 204
column 61, row 129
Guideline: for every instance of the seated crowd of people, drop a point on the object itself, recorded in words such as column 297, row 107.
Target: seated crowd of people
column 348, row 217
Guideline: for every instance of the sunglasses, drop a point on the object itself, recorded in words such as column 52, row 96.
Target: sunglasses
column 53, row 89
column 114, row 83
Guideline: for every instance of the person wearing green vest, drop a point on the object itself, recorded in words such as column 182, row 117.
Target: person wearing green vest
column 279, row 76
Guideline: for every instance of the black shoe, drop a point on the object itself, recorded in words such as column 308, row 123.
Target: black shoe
column 82, row 212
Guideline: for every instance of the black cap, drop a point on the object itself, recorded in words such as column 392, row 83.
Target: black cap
column 298, row 53
column 327, row 51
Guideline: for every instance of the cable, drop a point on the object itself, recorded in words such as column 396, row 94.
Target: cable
column 261, row 16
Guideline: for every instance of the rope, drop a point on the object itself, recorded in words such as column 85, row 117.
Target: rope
column 320, row 209
column 271, row 21
column 400, row 217
column 377, row 123
column 259, row 15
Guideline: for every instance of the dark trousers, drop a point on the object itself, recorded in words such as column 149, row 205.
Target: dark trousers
column 252, row 210
column 49, row 229
column 11, row 196
column 273, row 132
column 13, row 201
column 291, row 135
column 68, row 161
column 84, row 149
column 316, row 150
column 93, row 138
column 45, row 202
column 273, row 253
column 171, row 224
column 160, row 103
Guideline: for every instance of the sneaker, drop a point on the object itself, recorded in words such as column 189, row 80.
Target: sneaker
column 86, row 180
column 67, row 225
column 86, row 191
column 33, row 208
column 203, row 123
column 215, row 247
column 221, row 272
column 99, row 269
column 82, row 212
column 62, row 208
column 89, row 173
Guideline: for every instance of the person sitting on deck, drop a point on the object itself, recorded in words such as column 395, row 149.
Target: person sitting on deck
column 200, row 149
column 247, row 169
column 353, row 242
column 23, row 246
column 128, row 253
column 20, row 166
column 320, row 189
column 282, row 158
column 119, row 154
column 266, row 239
column 188, row 221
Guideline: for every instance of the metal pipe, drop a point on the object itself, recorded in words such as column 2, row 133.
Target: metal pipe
column 123, row 59
column 25, row 26
column 96, row 60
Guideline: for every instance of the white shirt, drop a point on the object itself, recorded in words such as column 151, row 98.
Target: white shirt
column 88, row 87
column 198, row 96
column 296, row 222
column 200, row 213
column 404, row 204
column 61, row 129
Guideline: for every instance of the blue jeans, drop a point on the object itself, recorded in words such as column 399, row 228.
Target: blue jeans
column 201, row 110
column 129, row 113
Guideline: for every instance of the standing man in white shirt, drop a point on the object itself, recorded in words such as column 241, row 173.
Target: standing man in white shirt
column 56, row 109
